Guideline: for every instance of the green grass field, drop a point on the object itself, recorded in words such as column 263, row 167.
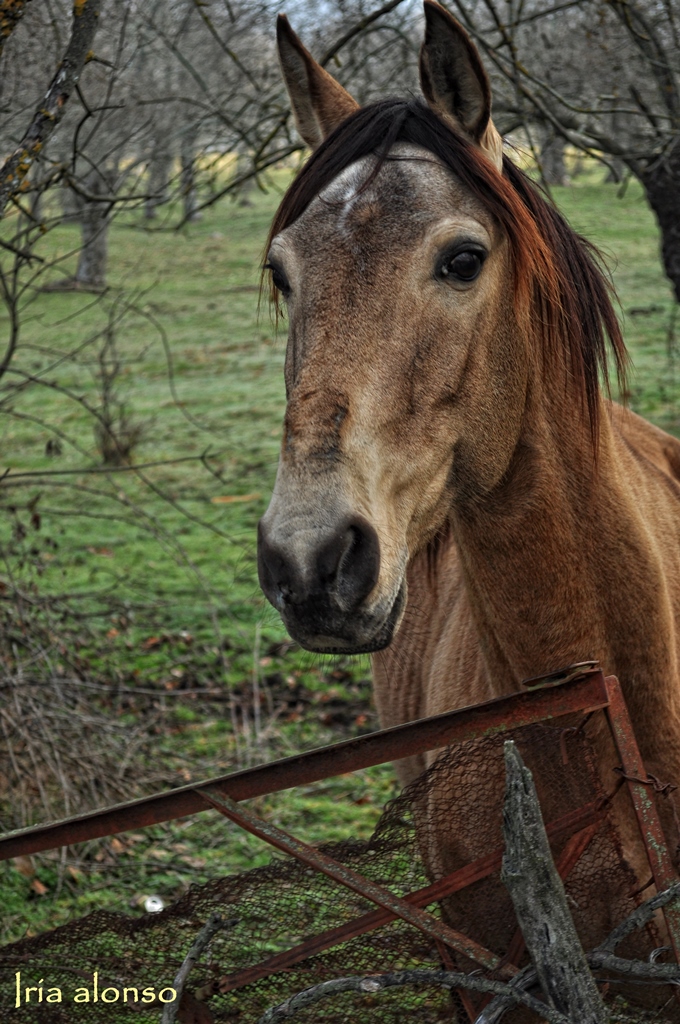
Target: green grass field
column 160, row 562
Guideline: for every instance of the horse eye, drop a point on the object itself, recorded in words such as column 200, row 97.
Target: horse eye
column 464, row 266
column 279, row 279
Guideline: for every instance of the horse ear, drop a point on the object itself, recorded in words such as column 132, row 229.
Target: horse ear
column 454, row 81
column 319, row 102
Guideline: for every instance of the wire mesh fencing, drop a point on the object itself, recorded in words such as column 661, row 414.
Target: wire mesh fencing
column 294, row 927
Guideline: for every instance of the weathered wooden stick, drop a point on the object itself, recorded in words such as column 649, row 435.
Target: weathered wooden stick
column 530, row 876
column 635, row 968
column 602, row 957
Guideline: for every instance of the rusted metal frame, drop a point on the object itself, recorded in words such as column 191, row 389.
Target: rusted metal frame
column 465, row 997
column 585, row 693
column 587, row 816
column 575, row 848
column 352, row 880
column 643, row 801
column 450, row 965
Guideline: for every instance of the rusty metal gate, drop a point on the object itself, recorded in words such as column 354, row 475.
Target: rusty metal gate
column 373, row 898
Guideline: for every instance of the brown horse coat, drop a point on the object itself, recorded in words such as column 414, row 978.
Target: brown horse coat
column 454, row 492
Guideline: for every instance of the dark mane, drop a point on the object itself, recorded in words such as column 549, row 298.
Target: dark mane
column 559, row 285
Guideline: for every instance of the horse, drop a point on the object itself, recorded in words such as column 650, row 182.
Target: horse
column 456, row 491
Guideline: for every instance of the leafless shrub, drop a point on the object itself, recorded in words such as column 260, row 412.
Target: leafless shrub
column 116, row 432
column 61, row 750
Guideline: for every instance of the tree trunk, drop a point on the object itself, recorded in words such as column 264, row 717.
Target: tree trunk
column 32, row 200
column 159, row 175
column 661, row 182
column 188, row 178
column 553, row 170
column 94, row 226
column 617, row 168
column 246, row 189
column 70, row 207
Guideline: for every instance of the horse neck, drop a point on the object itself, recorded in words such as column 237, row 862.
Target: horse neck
column 532, row 550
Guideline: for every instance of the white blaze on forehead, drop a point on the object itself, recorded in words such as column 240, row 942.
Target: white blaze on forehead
column 430, row 179
column 342, row 193
column 346, row 186
column 345, row 191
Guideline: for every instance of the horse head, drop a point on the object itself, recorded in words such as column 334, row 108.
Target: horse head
column 408, row 261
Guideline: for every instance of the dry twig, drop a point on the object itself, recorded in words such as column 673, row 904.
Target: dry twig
column 51, row 110
column 372, row 983
column 214, row 924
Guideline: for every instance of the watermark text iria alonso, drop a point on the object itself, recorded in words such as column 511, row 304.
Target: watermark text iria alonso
column 97, row 992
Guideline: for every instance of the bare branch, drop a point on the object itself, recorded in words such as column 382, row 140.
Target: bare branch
column 603, row 956
column 649, row 45
column 200, row 7
column 636, row 968
column 372, row 983
column 11, row 477
column 11, row 13
column 640, row 916
column 203, row 940
column 50, row 113
column 544, row 13
column 356, row 29
column 537, row 892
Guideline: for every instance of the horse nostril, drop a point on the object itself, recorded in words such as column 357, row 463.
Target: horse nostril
column 320, row 580
column 350, row 563
column 277, row 574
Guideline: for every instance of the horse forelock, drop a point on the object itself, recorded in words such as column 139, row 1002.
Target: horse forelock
column 561, row 292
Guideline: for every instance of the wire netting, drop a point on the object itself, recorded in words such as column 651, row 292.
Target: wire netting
column 449, row 817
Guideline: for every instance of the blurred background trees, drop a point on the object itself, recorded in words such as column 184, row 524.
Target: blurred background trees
column 173, row 82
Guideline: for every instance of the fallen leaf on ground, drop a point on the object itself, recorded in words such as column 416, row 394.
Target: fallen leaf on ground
column 193, row 862
column 153, row 641
column 24, row 866
column 227, row 499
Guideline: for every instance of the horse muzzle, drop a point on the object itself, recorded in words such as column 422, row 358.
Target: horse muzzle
column 320, row 577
